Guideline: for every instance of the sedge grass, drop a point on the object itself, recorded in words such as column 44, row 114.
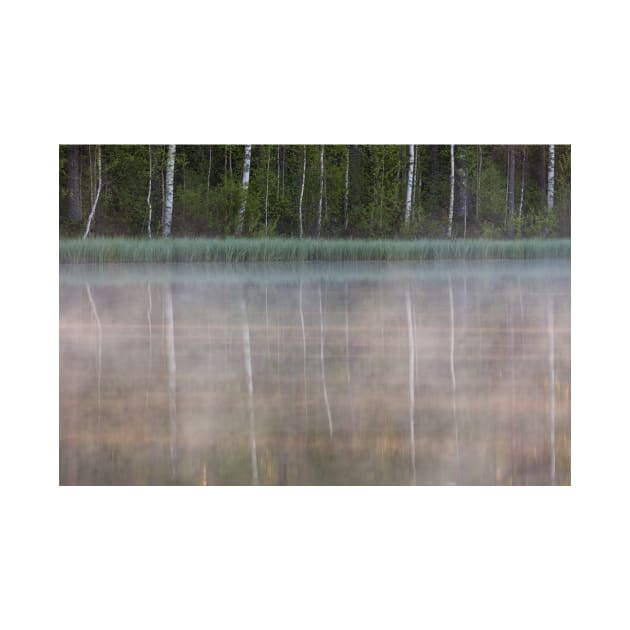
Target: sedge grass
column 197, row 250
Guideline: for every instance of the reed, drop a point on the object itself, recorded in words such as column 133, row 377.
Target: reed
column 195, row 250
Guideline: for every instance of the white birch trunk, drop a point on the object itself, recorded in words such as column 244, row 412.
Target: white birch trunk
column 449, row 233
column 98, row 193
column 302, row 194
column 245, row 185
column 410, row 180
column 478, row 197
column 551, row 176
column 345, row 195
column 321, row 191
column 267, row 189
column 149, row 194
column 209, row 166
column 168, row 201
column 520, row 203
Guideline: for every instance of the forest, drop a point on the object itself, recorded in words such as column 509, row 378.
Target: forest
column 316, row 191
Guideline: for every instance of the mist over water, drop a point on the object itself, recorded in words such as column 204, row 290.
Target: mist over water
column 360, row 373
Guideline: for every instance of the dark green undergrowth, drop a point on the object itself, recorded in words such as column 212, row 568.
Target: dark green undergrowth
column 194, row 250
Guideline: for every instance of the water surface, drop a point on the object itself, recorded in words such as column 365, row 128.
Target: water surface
column 361, row 373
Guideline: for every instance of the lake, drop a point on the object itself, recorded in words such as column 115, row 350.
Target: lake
column 443, row 373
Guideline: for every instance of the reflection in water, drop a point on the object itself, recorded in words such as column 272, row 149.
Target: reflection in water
column 172, row 376
column 321, row 323
column 453, row 381
column 247, row 355
column 412, row 399
column 99, row 347
column 552, row 390
column 476, row 391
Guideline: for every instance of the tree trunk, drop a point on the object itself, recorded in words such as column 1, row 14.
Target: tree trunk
column 245, row 185
column 551, row 176
column 478, row 198
column 520, row 203
column 302, row 195
column 449, row 233
column 149, row 193
column 209, row 166
column 321, row 191
column 168, row 202
column 345, row 195
column 267, row 188
column 74, row 184
column 510, row 192
column 410, row 179
column 98, row 193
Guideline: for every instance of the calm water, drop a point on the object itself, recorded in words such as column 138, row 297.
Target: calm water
column 444, row 373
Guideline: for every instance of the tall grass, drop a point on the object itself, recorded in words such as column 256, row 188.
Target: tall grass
column 193, row 250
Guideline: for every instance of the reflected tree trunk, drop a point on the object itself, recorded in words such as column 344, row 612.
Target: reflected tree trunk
column 304, row 360
column 99, row 348
column 348, row 380
column 172, row 376
column 321, row 321
column 452, row 364
column 412, row 379
column 250, row 390
column 552, row 388
column 146, row 400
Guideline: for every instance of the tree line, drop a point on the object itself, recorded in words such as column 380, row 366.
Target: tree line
column 317, row 191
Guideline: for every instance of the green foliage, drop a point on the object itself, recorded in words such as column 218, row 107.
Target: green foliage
column 208, row 194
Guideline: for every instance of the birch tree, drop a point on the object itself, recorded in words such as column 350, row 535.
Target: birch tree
column 478, row 196
column 98, row 192
column 245, row 185
column 168, row 201
column 149, row 194
column 551, row 176
column 302, row 194
column 410, row 180
column 510, row 192
column 267, row 188
column 321, row 191
column 74, row 207
column 449, row 232
column 345, row 195
column 520, row 203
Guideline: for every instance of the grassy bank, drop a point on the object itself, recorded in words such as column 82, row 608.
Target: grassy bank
column 192, row 250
